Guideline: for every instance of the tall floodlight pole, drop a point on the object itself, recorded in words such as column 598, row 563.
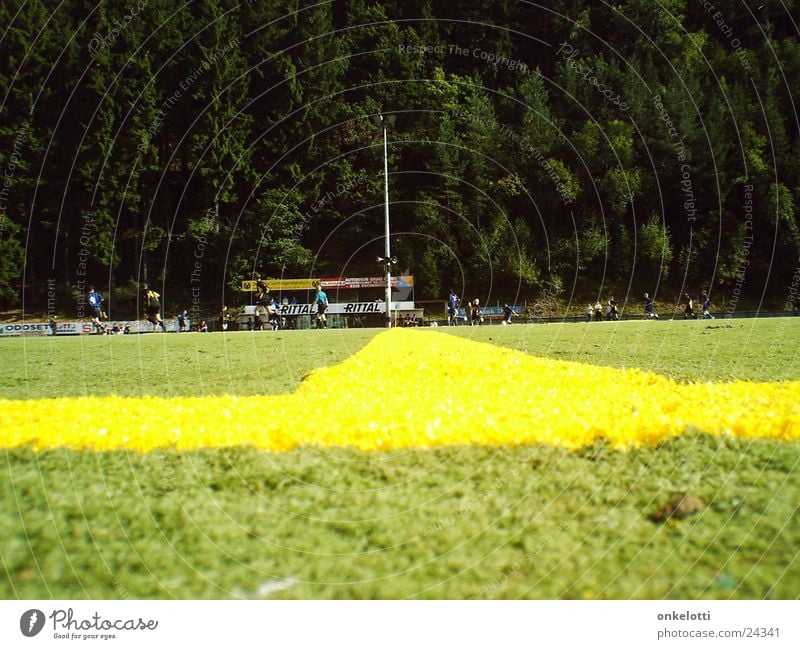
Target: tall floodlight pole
column 388, row 249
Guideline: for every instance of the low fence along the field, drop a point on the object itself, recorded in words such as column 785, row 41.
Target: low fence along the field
column 72, row 328
column 678, row 315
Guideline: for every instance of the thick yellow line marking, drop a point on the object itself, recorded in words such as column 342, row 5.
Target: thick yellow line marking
column 411, row 388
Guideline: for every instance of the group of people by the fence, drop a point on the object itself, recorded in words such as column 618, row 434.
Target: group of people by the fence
column 472, row 310
column 473, row 314
column 610, row 311
column 266, row 315
column 410, row 320
column 151, row 303
column 267, row 311
column 687, row 304
column 597, row 312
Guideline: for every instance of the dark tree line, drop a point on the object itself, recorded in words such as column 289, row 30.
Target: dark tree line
column 568, row 149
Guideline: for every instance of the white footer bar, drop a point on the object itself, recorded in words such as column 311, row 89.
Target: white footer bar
column 399, row 624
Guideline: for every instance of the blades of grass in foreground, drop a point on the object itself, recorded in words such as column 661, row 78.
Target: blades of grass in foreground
column 458, row 522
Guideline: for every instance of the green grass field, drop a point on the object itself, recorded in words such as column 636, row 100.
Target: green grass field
column 461, row 522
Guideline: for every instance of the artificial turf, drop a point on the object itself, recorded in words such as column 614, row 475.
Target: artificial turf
column 458, row 522
column 170, row 365
column 461, row 522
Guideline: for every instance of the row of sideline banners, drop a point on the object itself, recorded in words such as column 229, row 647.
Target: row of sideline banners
column 77, row 327
column 339, row 308
column 72, row 328
column 330, row 283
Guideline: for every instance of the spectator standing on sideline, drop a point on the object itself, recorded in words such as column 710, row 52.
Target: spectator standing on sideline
column 589, row 312
column 321, row 300
column 688, row 310
column 152, row 307
column 273, row 315
column 262, row 301
column 261, row 314
column 649, row 309
column 452, row 308
column 706, row 301
column 613, row 311
column 258, row 323
column 182, row 322
column 598, row 311
column 283, row 321
column 508, row 312
column 223, row 318
column 95, row 301
column 476, row 312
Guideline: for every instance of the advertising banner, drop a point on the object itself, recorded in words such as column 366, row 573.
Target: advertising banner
column 44, row 328
column 73, row 328
column 301, row 284
column 342, row 308
column 309, row 283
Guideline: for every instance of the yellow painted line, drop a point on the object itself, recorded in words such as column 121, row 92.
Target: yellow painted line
column 411, row 388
